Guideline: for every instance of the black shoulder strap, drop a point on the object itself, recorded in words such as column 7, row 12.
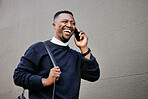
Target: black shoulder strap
column 50, row 54
column 22, row 95
column 53, row 62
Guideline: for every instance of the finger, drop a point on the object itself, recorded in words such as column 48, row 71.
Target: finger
column 57, row 69
column 57, row 77
column 79, row 30
column 57, row 73
column 82, row 36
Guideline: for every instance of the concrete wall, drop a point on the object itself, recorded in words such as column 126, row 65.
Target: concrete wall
column 117, row 31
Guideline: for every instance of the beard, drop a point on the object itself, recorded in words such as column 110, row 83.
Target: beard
column 65, row 39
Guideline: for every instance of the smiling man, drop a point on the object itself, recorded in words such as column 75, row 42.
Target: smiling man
column 64, row 26
column 36, row 73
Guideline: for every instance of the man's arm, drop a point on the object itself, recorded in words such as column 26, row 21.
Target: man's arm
column 90, row 67
column 25, row 73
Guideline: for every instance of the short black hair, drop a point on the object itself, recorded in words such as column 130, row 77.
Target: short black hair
column 60, row 12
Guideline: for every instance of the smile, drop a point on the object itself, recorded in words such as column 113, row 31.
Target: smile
column 67, row 31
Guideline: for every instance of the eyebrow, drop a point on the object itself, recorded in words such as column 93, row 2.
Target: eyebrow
column 68, row 20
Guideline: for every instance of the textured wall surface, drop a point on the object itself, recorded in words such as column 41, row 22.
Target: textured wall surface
column 117, row 31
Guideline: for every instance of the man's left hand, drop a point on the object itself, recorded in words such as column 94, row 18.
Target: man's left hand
column 83, row 40
column 82, row 44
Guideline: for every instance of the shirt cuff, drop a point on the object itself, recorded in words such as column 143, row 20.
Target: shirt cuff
column 35, row 82
column 90, row 63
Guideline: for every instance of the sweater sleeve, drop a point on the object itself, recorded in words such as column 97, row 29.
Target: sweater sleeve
column 25, row 73
column 90, row 69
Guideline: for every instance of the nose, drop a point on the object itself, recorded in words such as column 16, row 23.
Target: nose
column 69, row 24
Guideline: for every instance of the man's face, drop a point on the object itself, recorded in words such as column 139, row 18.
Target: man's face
column 64, row 26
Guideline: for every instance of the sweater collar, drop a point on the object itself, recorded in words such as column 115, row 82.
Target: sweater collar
column 58, row 42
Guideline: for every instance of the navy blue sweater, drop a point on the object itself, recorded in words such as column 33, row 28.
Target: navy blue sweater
column 36, row 64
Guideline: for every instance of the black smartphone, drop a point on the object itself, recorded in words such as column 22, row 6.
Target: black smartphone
column 76, row 33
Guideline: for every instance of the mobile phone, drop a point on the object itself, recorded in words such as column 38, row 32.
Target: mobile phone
column 76, row 33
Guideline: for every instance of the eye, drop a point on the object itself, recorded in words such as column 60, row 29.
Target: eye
column 73, row 23
column 64, row 21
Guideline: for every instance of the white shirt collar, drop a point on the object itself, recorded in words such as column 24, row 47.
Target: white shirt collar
column 58, row 42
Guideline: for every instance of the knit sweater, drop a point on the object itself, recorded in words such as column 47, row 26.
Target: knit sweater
column 36, row 64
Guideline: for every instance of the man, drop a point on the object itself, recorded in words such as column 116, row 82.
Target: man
column 36, row 73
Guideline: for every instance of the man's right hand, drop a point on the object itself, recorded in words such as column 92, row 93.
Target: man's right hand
column 54, row 75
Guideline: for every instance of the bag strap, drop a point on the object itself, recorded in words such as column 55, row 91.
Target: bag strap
column 22, row 95
column 53, row 62
column 50, row 55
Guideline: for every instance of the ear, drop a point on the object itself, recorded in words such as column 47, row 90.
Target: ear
column 53, row 25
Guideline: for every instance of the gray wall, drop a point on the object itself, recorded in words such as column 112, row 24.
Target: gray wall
column 117, row 31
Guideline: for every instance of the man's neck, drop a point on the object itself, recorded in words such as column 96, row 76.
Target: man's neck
column 58, row 42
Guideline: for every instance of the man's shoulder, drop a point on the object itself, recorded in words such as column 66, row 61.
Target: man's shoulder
column 37, row 47
column 37, row 44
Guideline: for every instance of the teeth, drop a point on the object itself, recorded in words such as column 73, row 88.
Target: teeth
column 67, row 31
